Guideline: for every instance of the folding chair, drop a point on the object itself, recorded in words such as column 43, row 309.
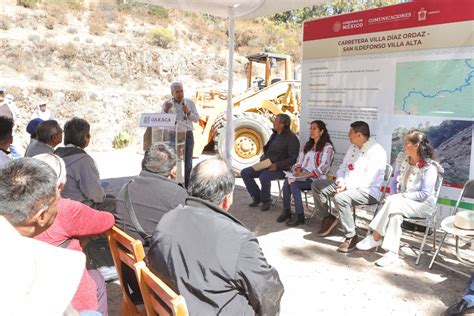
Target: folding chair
column 430, row 221
column 158, row 297
column 466, row 193
column 280, row 193
column 385, row 184
column 305, row 192
column 386, row 181
column 128, row 251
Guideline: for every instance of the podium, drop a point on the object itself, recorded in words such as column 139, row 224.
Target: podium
column 163, row 127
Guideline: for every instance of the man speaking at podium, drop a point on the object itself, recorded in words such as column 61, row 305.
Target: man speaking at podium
column 186, row 112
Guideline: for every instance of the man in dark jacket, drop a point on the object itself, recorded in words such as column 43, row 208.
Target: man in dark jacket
column 282, row 149
column 153, row 193
column 208, row 256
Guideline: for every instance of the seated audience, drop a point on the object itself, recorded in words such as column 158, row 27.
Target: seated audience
column 208, row 256
column 358, row 182
column 153, row 193
column 313, row 163
column 48, row 135
column 282, row 150
column 6, row 138
column 83, row 180
column 36, row 278
column 466, row 304
column 412, row 195
column 9, row 109
column 74, row 221
column 31, row 129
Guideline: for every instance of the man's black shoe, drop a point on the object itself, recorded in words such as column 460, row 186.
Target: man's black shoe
column 255, row 203
column 266, row 206
column 297, row 220
column 458, row 309
column 286, row 214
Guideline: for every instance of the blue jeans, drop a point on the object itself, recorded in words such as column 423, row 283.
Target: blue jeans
column 469, row 294
column 266, row 176
column 14, row 152
column 295, row 190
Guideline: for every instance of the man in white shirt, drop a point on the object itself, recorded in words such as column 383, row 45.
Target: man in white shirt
column 42, row 112
column 186, row 112
column 358, row 182
column 36, row 278
column 6, row 138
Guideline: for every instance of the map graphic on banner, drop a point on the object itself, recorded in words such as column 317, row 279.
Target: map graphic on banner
column 439, row 88
column 398, row 68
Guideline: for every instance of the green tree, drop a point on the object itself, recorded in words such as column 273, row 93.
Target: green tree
column 297, row 17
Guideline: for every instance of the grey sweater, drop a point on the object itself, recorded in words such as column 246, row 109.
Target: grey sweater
column 83, row 181
column 36, row 147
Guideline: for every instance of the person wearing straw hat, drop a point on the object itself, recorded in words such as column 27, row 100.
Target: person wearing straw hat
column 461, row 224
column 412, row 195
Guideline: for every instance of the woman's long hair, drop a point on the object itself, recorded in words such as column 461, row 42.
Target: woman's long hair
column 425, row 150
column 323, row 140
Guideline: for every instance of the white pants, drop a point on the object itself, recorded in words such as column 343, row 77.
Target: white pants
column 388, row 220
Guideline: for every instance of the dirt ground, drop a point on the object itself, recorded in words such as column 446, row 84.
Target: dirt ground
column 318, row 279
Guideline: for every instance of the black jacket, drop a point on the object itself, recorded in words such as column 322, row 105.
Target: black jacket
column 282, row 149
column 216, row 263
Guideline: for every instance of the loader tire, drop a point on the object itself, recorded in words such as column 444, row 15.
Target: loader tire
column 252, row 132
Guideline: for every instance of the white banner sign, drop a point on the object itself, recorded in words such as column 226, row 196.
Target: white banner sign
column 157, row 120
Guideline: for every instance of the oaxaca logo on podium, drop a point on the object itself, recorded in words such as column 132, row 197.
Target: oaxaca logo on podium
column 157, row 120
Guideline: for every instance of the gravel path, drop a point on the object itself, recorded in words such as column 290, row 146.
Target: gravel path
column 317, row 279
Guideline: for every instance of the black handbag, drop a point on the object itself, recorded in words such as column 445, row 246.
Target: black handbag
column 98, row 256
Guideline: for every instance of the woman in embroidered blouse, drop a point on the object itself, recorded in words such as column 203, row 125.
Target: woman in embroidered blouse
column 313, row 162
column 412, row 195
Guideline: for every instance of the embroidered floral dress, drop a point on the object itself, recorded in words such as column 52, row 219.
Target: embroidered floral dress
column 416, row 182
column 317, row 162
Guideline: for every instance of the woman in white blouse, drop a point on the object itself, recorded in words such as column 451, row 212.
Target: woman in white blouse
column 313, row 162
column 412, row 195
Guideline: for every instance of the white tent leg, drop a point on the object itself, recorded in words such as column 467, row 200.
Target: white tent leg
column 229, row 132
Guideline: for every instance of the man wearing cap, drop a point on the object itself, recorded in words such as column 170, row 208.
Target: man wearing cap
column 31, row 129
column 6, row 138
column 42, row 112
column 38, row 279
column 48, row 135
column 186, row 113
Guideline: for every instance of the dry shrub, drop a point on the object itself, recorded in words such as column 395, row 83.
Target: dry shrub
column 66, row 5
column 218, row 76
column 49, row 23
column 106, row 5
column 30, row 4
column 97, row 24
column 158, row 11
column 162, row 37
column 201, row 71
column 5, row 22
column 17, row 56
column 74, row 96
column 44, row 92
column 67, row 52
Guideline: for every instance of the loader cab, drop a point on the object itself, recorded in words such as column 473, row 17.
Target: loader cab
column 270, row 60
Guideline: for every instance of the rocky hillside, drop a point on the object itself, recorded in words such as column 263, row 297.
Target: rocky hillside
column 108, row 63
